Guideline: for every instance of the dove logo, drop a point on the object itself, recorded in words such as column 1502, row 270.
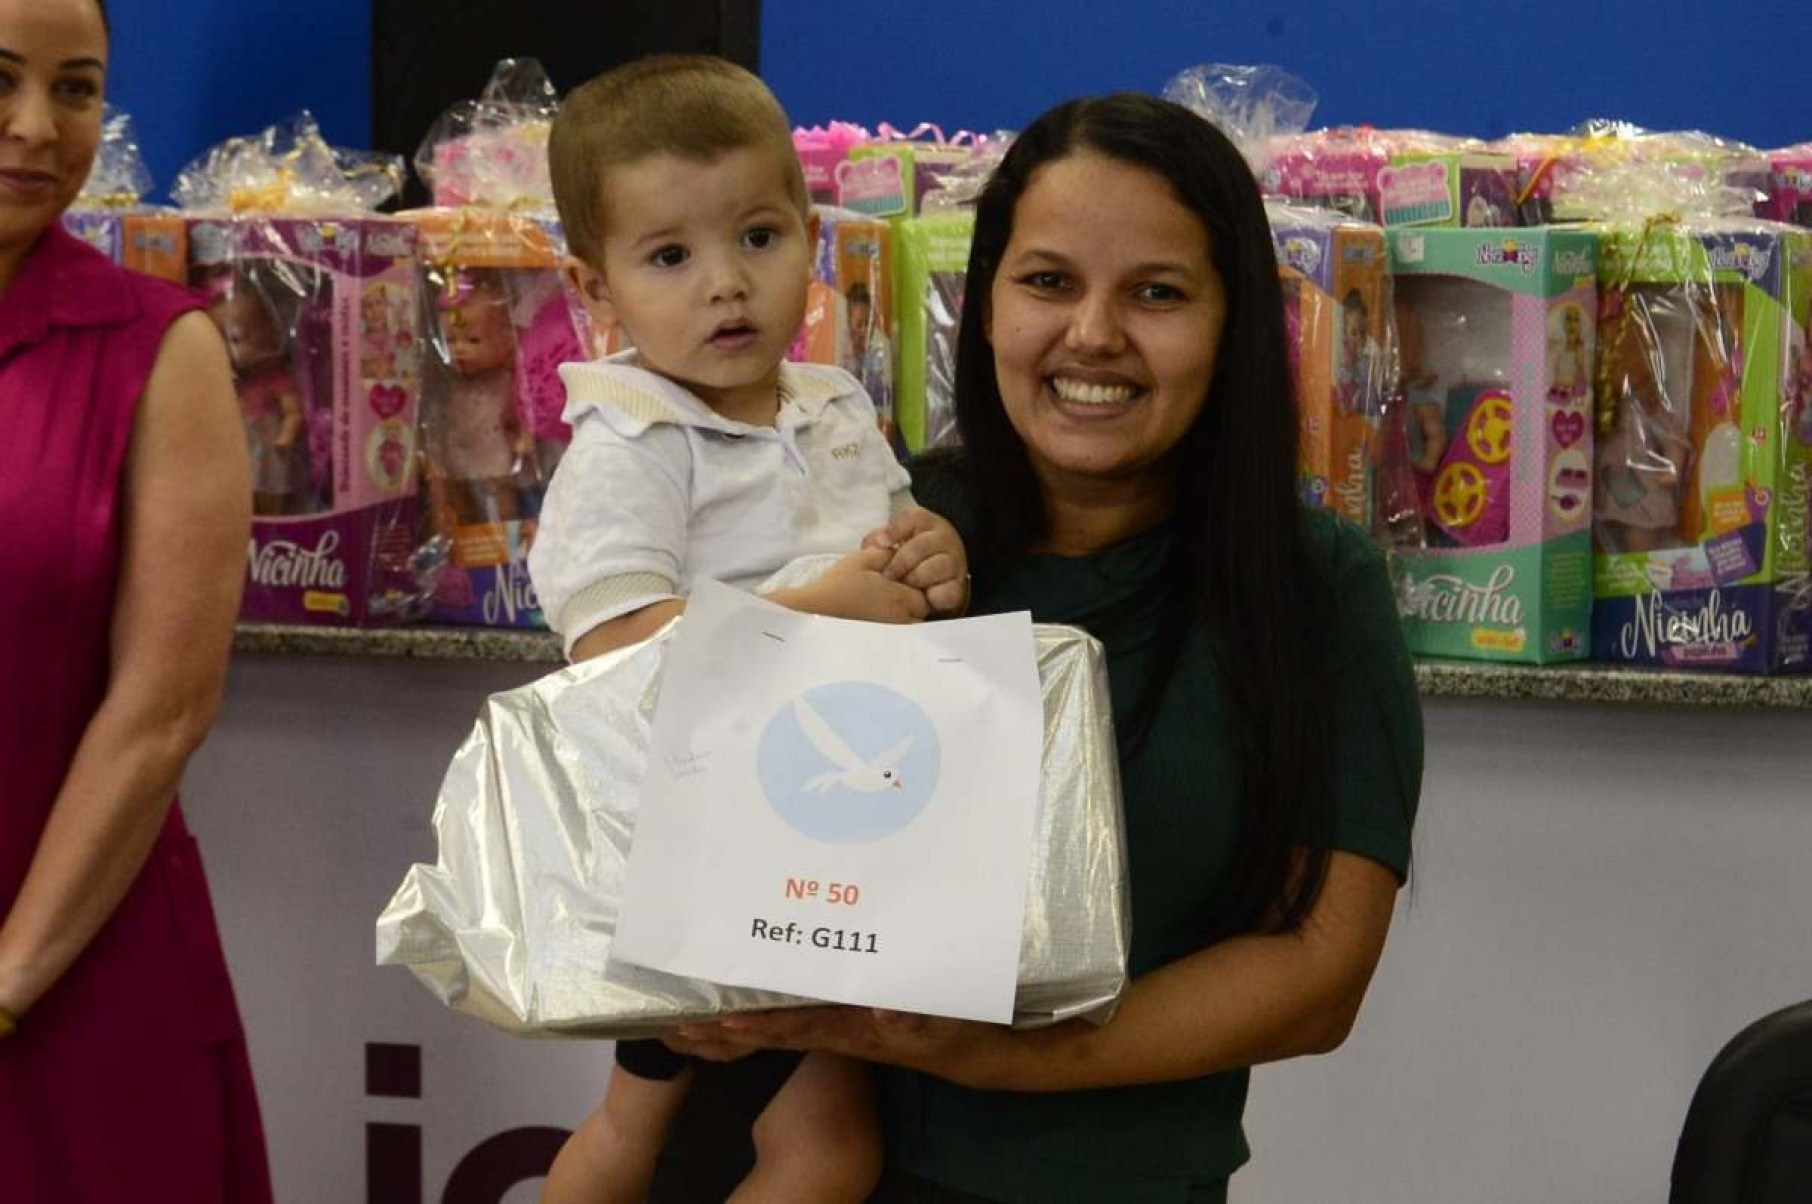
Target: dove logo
column 848, row 762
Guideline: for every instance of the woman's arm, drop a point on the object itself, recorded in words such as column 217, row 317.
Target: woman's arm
column 185, row 515
column 1247, row 1000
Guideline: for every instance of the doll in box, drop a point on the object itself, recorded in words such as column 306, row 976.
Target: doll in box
column 1361, row 370
column 270, row 401
column 1569, row 362
column 481, row 451
column 1644, row 422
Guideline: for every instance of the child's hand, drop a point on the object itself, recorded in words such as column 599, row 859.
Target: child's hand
column 927, row 554
column 854, row 588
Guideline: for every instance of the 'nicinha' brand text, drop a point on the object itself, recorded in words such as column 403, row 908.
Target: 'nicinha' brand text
column 1655, row 626
column 1446, row 598
column 285, row 564
column 511, row 595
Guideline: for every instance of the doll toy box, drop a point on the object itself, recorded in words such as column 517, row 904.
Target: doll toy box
column 933, row 273
column 320, row 318
column 1495, row 336
column 849, row 307
column 498, row 322
column 1336, row 312
column 1705, row 449
column 1394, row 177
column 894, row 174
column 110, row 214
column 316, row 298
column 152, row 241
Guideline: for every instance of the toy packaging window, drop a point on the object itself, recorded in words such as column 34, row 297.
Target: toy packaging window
column 1496, row 339
column 1701, row 517
column 320, row 321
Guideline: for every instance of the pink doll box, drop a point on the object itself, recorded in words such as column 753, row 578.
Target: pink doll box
column 334, row 542
column 499, row 322
column 1499, row 374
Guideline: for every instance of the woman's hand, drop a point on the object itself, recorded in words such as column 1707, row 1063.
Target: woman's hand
column 927, row 554
column 959, row 1051
column 856, row 588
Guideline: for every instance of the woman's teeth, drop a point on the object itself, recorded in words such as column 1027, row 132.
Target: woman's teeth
column 1092, row 394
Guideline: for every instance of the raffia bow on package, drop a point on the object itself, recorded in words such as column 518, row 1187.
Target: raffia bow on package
column 515, row 921
column 315, row 295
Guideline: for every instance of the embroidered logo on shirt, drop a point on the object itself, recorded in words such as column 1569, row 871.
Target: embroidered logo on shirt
column 847, row 451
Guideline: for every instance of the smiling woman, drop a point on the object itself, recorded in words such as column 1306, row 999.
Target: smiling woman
column 1128, row 467
column 124, row 479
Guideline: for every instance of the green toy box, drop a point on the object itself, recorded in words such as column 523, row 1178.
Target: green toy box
column 1496, row 333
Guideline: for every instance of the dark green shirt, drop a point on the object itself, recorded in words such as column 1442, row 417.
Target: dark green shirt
column 1171, row 1141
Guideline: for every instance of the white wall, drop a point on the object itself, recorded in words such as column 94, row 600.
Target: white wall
column 1603, row 896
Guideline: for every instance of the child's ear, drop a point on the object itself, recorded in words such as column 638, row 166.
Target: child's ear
column 813, row 224
column 588, row 284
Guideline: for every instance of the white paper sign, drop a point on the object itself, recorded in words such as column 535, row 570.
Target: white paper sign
column 839, row 810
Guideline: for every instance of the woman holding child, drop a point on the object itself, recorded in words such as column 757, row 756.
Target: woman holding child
column 1128, row 466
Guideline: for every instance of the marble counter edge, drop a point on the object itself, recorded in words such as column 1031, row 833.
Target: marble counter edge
column 1435, row 678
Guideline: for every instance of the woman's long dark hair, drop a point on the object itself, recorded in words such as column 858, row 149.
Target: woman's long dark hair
column 1239, row 563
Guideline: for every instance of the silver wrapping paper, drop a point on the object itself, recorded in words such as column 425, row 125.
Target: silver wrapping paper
column 513, row 924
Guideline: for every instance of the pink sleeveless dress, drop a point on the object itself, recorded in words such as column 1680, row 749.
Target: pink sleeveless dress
column 129, row 1079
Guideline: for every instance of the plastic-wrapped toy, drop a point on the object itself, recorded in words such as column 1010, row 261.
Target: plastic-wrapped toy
column 892, row 175
column 1495, row 344
column 1790, row 184
column 270, row 395
column 481, row 450
column 492, row 151
column 110, row 214
column 315, row 296
column 1336, row 317
column 821, row 150
column 1395, row 177
column 933, row 274
column 1703, row 505
column 500, row 323
column 849, row 307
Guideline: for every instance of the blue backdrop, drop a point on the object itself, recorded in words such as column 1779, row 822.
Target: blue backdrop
column 195, row 71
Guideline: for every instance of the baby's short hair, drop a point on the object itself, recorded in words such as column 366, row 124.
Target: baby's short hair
column 692, row 106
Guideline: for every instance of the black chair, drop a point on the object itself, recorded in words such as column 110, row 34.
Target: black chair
column 1748, row 1132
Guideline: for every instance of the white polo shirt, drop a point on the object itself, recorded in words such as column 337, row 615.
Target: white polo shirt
column 658, row 490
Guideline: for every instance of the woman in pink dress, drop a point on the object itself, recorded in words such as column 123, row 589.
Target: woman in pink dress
column 125, row 495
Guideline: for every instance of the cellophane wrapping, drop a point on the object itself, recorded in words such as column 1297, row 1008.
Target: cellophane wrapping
column 513, row 923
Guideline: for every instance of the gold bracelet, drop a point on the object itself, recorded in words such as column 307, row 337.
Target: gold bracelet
column 9, row 1024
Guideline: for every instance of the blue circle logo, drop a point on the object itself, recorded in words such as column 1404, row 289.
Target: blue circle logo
column 848, row 762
